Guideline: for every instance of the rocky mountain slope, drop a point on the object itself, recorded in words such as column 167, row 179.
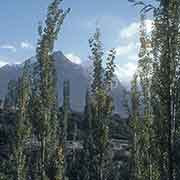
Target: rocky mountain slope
column 66, row 70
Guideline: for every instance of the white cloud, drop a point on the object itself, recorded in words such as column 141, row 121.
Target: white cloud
column 132, row 30
column 127, row 51
column 2, row 63
column 26, row 45
column 149, row 25
column 129, row 31
column 10, row 47
column 125, row 72
column 74, row 58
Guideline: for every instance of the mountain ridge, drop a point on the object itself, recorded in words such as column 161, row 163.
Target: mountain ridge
column 65, row 70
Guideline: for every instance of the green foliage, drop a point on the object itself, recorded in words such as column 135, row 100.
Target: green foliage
column 44, row 101
column 165, row 83
column 34, row 135
column 11, row 98
column 23, row 127
column 157, row 120
column 142, row 151
column 98, row 109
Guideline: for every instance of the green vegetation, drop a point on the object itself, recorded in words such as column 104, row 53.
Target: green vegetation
column 42, row 140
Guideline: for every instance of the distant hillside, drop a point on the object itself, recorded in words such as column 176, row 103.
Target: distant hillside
column 66, row 70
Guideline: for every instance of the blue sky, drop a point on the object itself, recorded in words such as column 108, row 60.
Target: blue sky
column 117, row 19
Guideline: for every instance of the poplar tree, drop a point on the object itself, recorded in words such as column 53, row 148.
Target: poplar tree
column 23, row 126
column 47, row 96
column 11, row 98
column 135, row 126
column 165, row 65
column 109, row 81
column 165, row 79
column 66, row 108
column 145, row 71
column 66, row 113
column 87, row 168
column 98, row 110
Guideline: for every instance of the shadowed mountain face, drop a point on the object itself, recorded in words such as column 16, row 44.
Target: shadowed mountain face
column 66, row 70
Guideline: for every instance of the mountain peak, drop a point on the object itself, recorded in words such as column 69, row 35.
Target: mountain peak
column 65, row 70
column 59, row 57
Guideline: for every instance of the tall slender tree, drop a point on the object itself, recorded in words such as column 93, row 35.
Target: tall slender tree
column 46, row 91
column 145, row 73
column 134, row 123
column 23, row 126
column 142, row 164
column 66, row 113
column 11, row 98
column 164, row 88
column 165, row 63
column 98, row 110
